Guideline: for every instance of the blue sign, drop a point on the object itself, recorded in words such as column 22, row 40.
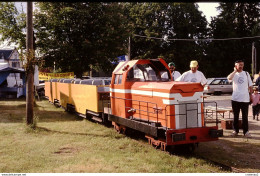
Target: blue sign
column 120, row 59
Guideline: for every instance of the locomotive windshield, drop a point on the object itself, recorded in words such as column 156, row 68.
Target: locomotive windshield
column 145, row 72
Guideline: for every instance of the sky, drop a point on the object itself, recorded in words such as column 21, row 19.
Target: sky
column 207, row 8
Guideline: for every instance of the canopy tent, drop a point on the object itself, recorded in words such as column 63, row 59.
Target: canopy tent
column 4, row 72
column 3, row 65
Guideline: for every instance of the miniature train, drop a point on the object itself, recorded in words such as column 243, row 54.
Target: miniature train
column 169, row 113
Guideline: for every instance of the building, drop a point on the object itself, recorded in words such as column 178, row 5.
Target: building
column 10, row 56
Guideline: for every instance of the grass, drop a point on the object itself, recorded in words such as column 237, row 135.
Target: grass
column 63, row 143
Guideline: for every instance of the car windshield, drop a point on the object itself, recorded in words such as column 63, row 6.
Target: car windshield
column 216, row 81
column 209, row 80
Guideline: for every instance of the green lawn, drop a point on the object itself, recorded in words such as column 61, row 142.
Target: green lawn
column 63, row 143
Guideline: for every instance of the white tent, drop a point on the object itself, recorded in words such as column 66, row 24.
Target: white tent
column 3, row 65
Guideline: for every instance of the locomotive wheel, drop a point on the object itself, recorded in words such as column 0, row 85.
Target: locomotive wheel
column 191, row 148
column 68, row 109
column 119, row 128
column 105, row 120
column 163, row 146
column 88, row 116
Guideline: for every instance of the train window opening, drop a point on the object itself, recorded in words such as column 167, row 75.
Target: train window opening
column 88, row 82
column 120, row 79
column 138, row 72
column 149, row 72
column 145, row 72
column 97, row 82
column 116, row 79
column 165, row 75
column 130, row 74
column 107, row 82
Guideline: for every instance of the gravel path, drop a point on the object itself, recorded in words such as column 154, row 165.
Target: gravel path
column 225, row 101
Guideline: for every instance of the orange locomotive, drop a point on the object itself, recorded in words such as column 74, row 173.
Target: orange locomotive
column 168, row 112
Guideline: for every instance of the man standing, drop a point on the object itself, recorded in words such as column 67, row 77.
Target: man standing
column 175, row 74
column 242, row 83
column 193, row 75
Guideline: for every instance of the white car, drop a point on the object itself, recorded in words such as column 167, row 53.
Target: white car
column 41, row 88
column 218, row 86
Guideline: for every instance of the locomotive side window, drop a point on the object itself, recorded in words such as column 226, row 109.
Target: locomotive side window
column 118, row 79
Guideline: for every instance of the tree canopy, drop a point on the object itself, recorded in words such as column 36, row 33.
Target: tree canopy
column 167, row 20
column 77, row 35
column 80, row 35
column 234, row 21
column 12, row 24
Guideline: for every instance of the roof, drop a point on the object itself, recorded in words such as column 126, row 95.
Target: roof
column 120, row 68
column 6, row 53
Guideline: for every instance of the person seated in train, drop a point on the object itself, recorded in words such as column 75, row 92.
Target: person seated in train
column 175, row 74
column 193, row 75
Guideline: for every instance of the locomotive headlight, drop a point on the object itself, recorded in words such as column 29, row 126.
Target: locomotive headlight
column 178, row 137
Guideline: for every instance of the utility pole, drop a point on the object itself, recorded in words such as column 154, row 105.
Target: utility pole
column 129, row 48
column 253, row 59
column 29, row 67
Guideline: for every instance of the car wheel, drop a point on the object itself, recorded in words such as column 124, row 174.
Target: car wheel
column 217, row 93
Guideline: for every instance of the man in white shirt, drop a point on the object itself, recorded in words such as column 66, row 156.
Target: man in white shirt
column 242, row 83
column 175, row 74
column 194, row 75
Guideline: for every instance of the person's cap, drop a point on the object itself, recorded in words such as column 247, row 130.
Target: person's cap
column 193, row 63
column 171, row 64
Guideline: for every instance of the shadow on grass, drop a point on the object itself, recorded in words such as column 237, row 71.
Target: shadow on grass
column 13, row 99
column 43, row 129
column 16, row 113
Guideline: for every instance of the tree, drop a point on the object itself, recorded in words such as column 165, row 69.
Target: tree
column 12, row 24
column 77, row 35
column 235, row 20
column 167, row 20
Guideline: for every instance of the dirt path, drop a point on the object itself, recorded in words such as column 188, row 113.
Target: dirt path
column 239, row 152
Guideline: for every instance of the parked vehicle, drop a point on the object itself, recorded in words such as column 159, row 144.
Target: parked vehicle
column 41, row 88
column 218, row 86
